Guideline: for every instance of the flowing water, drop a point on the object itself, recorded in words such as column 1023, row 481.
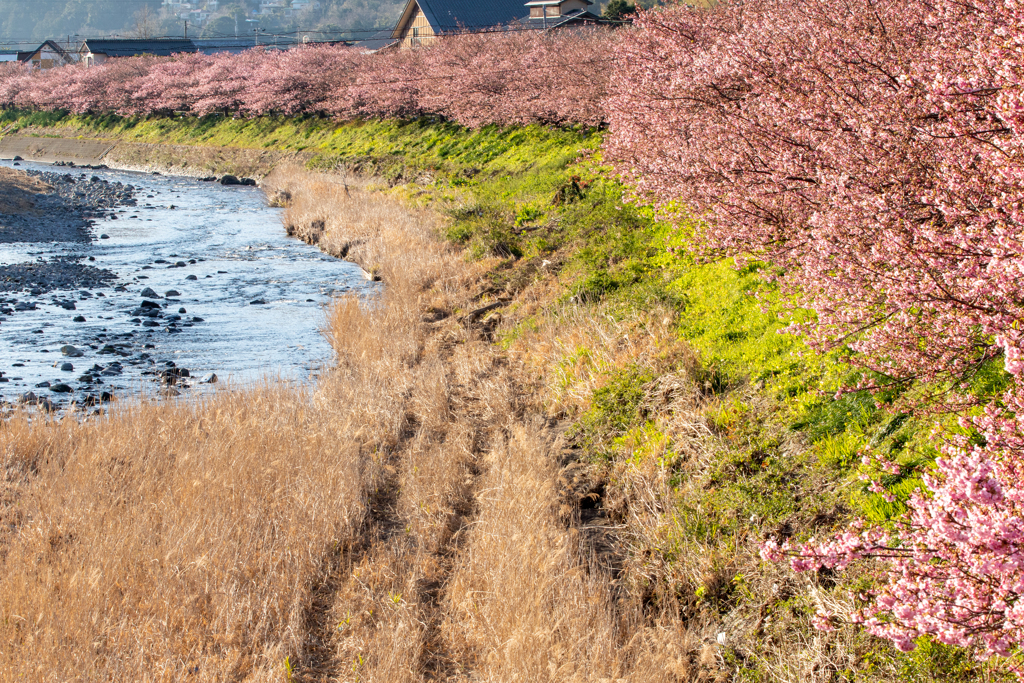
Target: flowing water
column 253, row 309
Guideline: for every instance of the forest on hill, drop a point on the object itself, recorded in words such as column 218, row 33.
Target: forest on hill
column 22, row 24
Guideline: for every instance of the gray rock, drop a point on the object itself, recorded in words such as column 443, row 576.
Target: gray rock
column 28, row 397
column 172, row 292
column 78, row 319
column 107, row 349
column 25, row 306
column 60, row 388
column 70, row 351
column 257, row 302
column 42, row 385
column 148, row 293
column 67, row 367
column 229, row 180
column 169, row 392
column 208, row 378
column 191, row 277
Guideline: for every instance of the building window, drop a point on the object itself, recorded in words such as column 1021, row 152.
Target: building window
column 416, row 32
column 536, row 12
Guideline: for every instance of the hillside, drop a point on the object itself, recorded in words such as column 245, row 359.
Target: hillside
column 22, row 26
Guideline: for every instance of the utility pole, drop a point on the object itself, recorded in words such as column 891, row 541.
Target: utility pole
column 257, row 32
column 186, row 28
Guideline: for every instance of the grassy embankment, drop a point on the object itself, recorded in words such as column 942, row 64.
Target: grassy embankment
column 633, row 420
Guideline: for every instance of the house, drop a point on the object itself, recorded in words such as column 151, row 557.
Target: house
column 99, row 50
column 212, row 46
column 423, row 21
column 378, row 41
column 47, row 56
column 559, row 13
column 9, row 55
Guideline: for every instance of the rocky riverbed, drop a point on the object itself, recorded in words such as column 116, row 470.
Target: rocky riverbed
column 117, row 284
column 37, row 206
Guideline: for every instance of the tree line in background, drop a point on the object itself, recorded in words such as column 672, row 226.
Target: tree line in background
column 869, row 153
column 474, row 79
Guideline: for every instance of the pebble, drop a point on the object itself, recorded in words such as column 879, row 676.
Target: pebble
column 172, row 292
column 78, row 319
column 60, row 388
column 148, row 293
column 70, row 351
column 67, row 367
column 191, row 277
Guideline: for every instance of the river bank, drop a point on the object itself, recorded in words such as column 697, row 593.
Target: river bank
column 549, row 451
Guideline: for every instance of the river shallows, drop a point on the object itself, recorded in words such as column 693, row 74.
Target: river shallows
column 235, row 247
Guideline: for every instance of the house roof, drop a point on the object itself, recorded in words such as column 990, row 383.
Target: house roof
column 130, row 47
column 210, row 46
column 378, row 41
column 448, row 16
column 539, row 3
column 25, row 56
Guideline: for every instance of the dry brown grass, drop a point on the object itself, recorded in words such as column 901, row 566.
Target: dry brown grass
column 172, row 539
column 17, row 189
column 400, row 521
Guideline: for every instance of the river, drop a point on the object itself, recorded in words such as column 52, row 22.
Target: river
column 252, row 308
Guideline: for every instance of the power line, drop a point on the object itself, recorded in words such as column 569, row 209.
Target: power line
column 448, row 30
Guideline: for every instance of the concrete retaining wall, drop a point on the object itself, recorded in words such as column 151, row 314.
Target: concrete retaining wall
column 54, row 149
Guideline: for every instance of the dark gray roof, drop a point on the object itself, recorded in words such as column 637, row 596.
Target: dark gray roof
column 446, row 16
column 130, row 47
column 378, row 41
column 210, row 46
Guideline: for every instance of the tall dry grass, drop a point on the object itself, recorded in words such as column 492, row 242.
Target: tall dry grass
column 172, row 540
column 400, row 521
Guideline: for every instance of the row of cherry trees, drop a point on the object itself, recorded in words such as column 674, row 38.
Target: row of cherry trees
column 870, row 152
column 473, row 79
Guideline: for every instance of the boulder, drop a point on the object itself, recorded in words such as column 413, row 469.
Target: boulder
column 70, row 351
